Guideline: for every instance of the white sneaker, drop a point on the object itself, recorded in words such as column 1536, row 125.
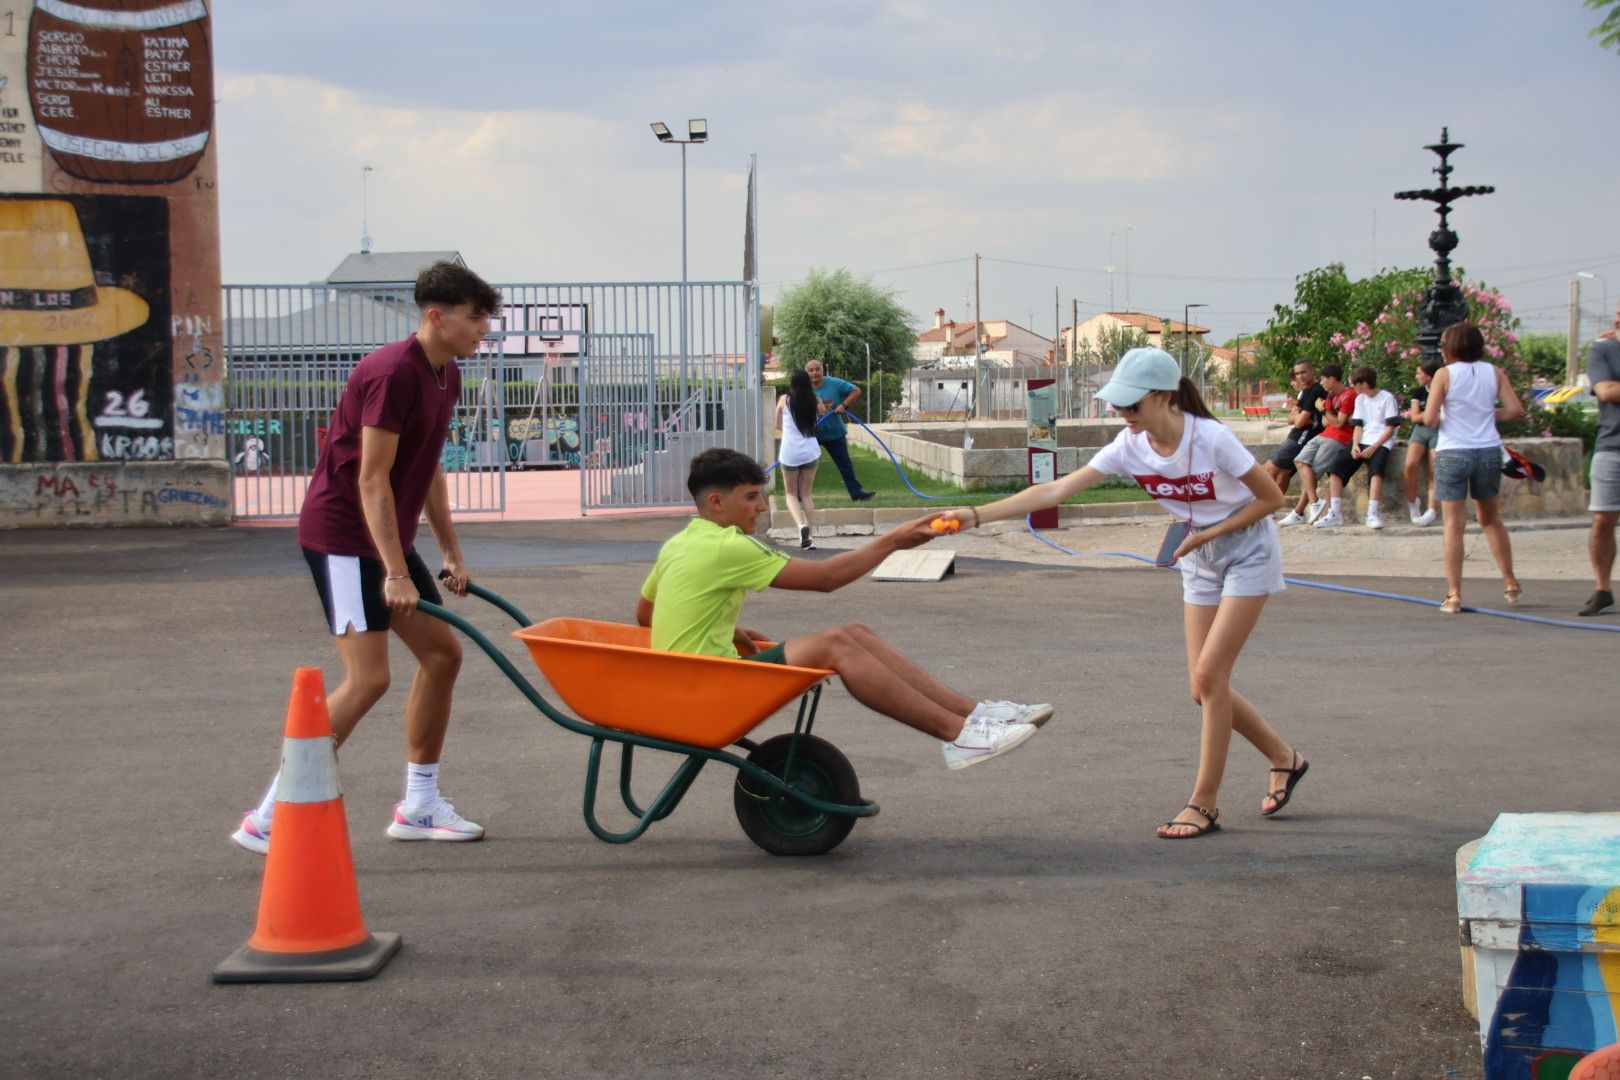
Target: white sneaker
column 438, row 821
column 1314, row 511
column 982, row 739
column 1425, row 518
column 1373, row 520
column 252, row 836
column 1291, row 518
column 1011, row 712
column 1330, row 520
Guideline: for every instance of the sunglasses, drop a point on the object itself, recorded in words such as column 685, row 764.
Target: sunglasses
column 1132, row 408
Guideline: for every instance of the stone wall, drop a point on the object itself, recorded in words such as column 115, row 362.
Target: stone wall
column 998, row 458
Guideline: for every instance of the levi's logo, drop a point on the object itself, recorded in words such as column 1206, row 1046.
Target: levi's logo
column 1194, row 488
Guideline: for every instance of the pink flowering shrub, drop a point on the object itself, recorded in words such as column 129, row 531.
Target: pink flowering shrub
column 1389, row 345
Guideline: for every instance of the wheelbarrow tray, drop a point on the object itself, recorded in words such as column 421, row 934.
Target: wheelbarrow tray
column 609, row 675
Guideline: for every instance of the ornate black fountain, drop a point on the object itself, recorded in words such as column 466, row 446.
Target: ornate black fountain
column 1443, row 304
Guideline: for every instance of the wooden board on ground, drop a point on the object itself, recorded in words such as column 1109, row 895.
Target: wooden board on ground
column 925, row 565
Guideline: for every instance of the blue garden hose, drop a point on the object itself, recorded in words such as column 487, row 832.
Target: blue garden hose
column 1351, row 589
column 1303, row 582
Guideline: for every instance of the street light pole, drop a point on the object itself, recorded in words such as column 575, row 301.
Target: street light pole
column 1185, row 330
column 697, row 131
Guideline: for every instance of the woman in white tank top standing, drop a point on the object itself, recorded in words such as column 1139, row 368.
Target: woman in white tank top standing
column 1463, row 403
column 796, row 416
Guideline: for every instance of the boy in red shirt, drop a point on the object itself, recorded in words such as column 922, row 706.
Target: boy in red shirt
column 1325, row 452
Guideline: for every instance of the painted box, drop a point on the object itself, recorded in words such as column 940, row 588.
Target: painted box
column 1539, row 906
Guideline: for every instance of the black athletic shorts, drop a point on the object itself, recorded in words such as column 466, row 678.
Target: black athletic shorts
column 351, row 588
column 1375, row 465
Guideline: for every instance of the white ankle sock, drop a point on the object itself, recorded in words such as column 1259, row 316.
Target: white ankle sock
column 1414, row 509
column 1334, row 505
column 421, row 784
column 267, row 805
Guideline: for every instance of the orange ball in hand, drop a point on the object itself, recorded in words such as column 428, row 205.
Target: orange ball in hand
column 1601, row 1064
column 945, row 525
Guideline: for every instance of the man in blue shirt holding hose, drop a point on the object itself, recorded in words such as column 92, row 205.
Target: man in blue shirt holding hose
column 836, row 396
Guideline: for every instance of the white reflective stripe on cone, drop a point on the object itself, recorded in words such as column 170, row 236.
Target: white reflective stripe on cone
column 308, row 771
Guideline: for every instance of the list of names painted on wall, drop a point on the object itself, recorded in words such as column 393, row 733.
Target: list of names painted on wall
column 110, row 321
column 115, row 91
column 20, row 146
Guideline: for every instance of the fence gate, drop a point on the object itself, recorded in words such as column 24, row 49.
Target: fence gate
column 670, row 369
column 289, row 351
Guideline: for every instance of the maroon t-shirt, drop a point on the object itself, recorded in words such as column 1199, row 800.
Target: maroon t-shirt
column 396, row 389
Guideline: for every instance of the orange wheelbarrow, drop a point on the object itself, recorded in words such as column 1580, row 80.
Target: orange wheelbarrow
column 795, row 794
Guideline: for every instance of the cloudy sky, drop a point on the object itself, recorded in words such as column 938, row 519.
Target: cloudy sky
column 1216, row 149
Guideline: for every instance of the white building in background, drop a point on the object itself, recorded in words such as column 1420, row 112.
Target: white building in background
column 949, row 344
column 1163, row 334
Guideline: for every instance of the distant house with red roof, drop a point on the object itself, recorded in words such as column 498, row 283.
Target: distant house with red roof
column 1158, row 331
column 949, row 344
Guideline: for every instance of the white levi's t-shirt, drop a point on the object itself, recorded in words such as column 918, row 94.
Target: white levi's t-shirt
column 1208, row 481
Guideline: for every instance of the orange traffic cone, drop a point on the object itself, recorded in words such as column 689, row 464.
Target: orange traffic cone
column 310, row 929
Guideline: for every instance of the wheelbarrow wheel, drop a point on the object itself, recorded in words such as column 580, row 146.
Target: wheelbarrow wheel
column 783, row 825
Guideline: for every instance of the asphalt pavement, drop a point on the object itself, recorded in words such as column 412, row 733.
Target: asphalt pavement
column 1014, row 919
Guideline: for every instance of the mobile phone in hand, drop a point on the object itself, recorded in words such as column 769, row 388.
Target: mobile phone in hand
column 1173, row 537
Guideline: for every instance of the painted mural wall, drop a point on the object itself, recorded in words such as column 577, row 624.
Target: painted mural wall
column 111, row 329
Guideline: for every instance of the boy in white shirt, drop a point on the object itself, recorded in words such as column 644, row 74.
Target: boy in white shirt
column 1376, row 417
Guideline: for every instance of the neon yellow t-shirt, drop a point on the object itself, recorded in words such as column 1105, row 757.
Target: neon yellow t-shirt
column 698, row 584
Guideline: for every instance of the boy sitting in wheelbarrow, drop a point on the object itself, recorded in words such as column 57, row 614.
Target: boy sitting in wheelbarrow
column 695, row 591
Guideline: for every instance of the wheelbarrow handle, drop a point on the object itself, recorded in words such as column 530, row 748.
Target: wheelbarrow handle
column 490, row 596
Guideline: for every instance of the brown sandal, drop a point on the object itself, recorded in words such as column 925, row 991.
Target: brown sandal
column 1279, row 796
column 1210, row 826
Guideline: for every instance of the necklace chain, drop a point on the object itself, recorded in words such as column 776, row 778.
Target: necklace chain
column 441, row 376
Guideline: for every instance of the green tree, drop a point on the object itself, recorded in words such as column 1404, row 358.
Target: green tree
column 1545, row 355
column 1607, row 32
column 1112, row 342
column 834, row 318
column 1327, row 302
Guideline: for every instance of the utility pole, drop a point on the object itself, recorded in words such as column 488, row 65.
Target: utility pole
column 1128, row 230
column 1074, row 335
column 1110, row 271
column 1571, row 371
column 1057, row 327
column 978, row 342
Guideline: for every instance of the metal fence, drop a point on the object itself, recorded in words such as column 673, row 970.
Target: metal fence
column 290, row 349
column 951, row 393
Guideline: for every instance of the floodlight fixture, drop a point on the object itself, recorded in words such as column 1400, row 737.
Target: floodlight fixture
column 697, row 130
column 661, row 130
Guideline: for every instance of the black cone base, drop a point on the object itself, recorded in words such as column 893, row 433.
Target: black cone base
column 362, row 961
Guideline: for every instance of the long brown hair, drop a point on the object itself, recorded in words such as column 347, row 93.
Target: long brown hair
column 1187, row 398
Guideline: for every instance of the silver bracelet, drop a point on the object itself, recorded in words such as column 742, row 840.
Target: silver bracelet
column 396, row 577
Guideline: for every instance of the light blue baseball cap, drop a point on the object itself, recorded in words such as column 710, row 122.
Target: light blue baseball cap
column 1140, row 372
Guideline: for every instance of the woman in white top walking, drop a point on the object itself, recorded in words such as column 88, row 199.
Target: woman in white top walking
column 1463, row 400
column 796, row 414
column 1229, row 556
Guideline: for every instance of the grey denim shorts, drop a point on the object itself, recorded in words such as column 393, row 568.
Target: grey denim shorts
column 1424, row 435
column 1244, row 563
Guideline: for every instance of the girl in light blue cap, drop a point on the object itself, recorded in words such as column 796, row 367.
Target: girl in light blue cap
column 1224, row 541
